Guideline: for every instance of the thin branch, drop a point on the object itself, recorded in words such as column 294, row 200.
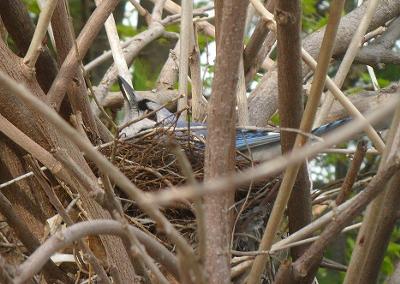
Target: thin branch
column 241, row 96
column 186, row 38
column 130, row 52
column 78, row 231
column 21, row 177
column 105, row 56
column 308, row 260
column 40, row 33
column 352, row 172
column 199, row 103
column 347, row 61
column 142, row 11
column 169, row 72
column 174, row 8
column 116, row 48
column 187, row 170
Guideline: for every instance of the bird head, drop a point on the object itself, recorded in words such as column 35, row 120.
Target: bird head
column 136, row 106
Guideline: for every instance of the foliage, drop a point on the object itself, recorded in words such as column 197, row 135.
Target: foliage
column 32, row 6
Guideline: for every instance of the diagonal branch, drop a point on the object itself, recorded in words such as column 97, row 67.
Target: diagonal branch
column 75, row 56
column 40, row 33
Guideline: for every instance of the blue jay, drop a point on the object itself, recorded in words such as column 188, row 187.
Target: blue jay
column 263, row 144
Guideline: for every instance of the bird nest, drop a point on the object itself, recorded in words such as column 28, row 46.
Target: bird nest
column 149, row 161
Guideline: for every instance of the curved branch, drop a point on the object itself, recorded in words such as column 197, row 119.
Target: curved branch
column 78, row 231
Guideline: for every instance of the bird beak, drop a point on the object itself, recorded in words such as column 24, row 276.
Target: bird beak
column 127, row 91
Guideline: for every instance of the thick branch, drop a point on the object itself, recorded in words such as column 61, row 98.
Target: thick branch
column 220, row 153
column 77, row 92
column 290, row 102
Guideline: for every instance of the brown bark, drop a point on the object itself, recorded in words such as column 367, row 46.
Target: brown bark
column 49, row 137
column 71, row 63
column 220, row 153
column 381, row 238
column 77, row 93
column 22, row 212
column 351, row 175
column 288, row 15
column 256, row 40
column 21, row 28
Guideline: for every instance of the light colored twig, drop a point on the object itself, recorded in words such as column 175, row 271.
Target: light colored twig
column 78, row 231
column 105, row 56
column 116, row 49
column 347, row 61
column 21, row 177
column 142, row 11
column 157, row 10
column 241, row 97
column 40, row 32
column 347, row 104
column 186, row 37
column 276, row 247
column 42, row 4
column 199, row 103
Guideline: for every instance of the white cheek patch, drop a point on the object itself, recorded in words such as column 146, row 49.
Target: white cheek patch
column 135, row 128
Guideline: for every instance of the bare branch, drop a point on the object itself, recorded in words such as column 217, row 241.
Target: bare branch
column 290, row 103
column 186, row 38
column 220, row 148
column 74, row 57
column 40, row 33
column 199, row 103
column 347, row 61
column 78, row 231
column 352, row 172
